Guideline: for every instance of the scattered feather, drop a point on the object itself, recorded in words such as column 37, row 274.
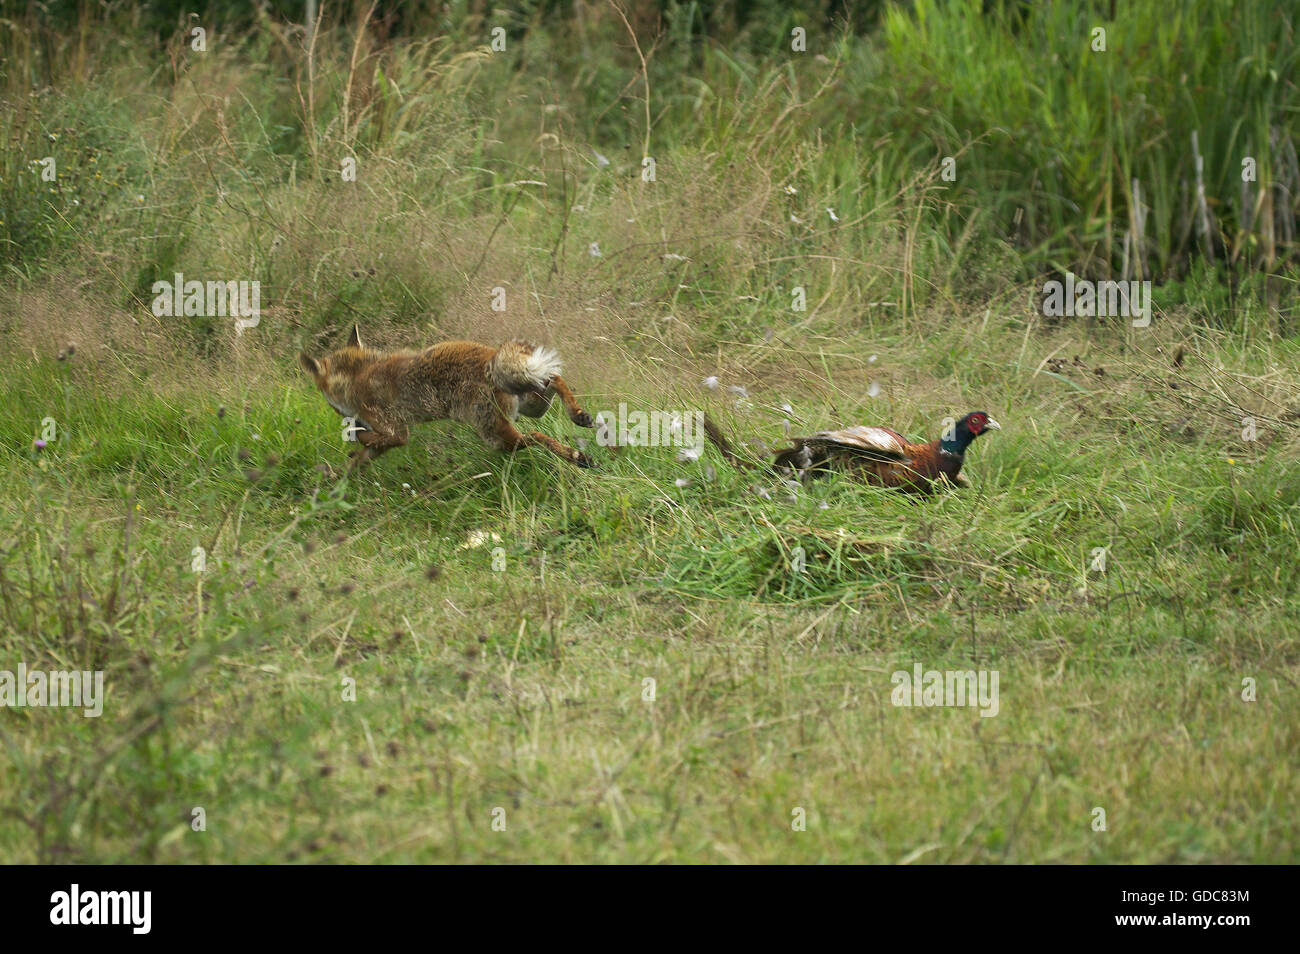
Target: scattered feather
column 477, row 538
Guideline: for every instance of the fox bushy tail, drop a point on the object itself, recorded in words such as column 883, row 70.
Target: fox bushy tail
column 519, row 367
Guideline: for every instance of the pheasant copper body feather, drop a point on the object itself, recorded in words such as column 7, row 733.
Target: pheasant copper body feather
column 878, row 455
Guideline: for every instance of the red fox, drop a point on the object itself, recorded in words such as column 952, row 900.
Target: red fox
column 487, row 388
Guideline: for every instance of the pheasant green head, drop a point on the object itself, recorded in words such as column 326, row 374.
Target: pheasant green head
column 957, row 438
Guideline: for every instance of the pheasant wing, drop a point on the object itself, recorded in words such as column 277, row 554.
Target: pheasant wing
column 870, row 443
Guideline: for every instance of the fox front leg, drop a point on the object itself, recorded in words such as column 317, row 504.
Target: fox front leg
column 375, row 441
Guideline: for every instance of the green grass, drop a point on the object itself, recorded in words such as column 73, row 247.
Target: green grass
column 523, row 689
column 769, row 624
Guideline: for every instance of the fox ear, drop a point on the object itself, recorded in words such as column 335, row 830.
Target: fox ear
column 354, row 339
column 309, row 364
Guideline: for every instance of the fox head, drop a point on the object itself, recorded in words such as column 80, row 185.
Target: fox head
column 336, row 375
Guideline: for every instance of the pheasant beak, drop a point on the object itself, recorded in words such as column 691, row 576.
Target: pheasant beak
column 993, row 425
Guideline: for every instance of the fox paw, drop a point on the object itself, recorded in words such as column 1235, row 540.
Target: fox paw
column 582, row 460
column 583, row 419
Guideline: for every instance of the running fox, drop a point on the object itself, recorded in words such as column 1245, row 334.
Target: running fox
column 487, row 388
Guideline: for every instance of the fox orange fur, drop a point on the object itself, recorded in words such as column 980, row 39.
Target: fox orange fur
column 487, row 388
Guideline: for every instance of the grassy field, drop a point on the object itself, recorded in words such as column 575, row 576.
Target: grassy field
column 462, row 656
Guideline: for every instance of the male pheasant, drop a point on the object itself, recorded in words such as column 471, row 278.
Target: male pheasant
column 879, row 455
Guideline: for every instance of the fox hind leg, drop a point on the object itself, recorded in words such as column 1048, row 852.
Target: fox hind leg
column 506, row 437
column 534, row 405
column 576, row 414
